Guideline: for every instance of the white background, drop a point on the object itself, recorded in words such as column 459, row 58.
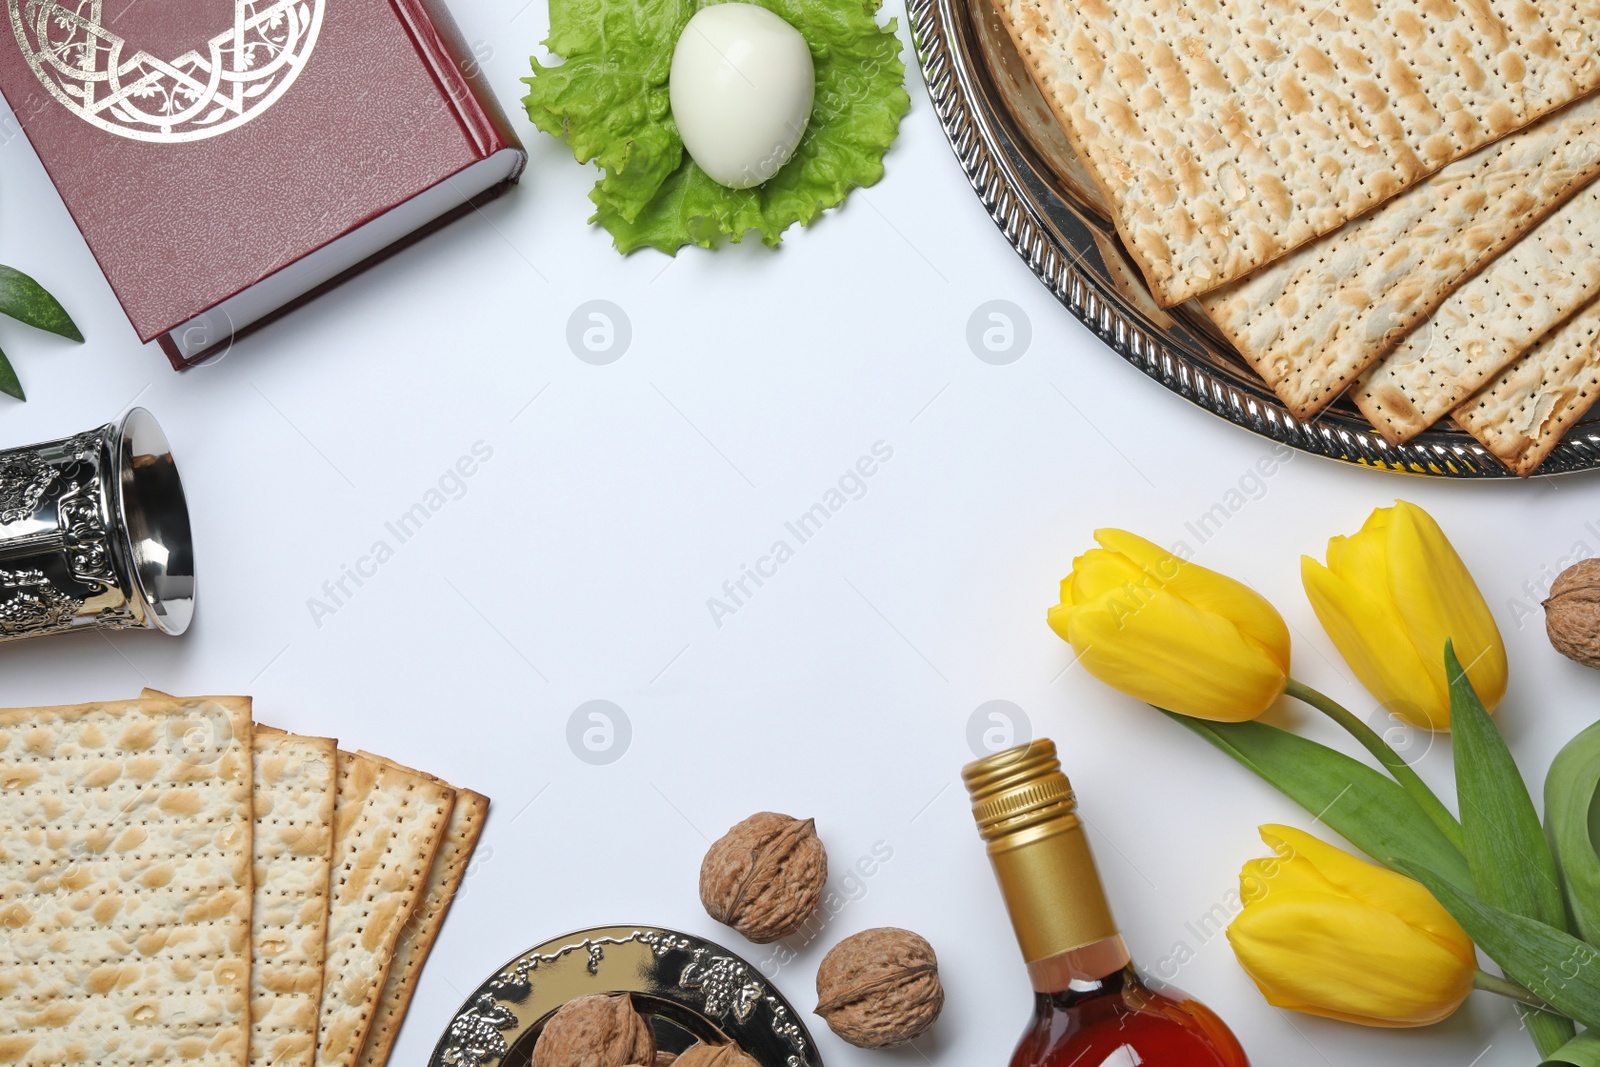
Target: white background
column 578, row 562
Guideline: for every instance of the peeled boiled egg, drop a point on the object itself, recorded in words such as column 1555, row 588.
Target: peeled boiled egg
column 741, row 89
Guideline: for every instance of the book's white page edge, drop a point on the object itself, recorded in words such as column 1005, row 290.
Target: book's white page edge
column 216, row 325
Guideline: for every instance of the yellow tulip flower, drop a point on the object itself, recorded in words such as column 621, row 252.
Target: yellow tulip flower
column 1389, row 596
column 1172, row 633
column 1325, row 933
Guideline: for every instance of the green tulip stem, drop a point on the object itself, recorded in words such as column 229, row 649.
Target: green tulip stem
column 1493, row 983
column 1414, row 786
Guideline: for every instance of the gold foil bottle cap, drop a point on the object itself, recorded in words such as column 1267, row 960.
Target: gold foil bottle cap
column 1018, row 787
column 1026, row 811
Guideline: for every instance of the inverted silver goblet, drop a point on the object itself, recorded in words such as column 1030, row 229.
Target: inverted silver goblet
column 94, row 533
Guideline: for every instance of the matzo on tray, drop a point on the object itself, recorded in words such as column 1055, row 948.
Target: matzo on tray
column 1538, row 284
column 1226, row 133
column 125, row 883
column 1521, row 414
column 1312, row 321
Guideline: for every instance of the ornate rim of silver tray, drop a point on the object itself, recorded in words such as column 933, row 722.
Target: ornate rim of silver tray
column 690, row 989
column 1038, row 193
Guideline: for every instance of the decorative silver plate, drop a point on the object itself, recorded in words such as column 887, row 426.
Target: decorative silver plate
column 690, row 990
column 1046, row 204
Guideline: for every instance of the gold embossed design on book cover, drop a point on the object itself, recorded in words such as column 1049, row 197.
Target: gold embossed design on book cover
column 219, row 86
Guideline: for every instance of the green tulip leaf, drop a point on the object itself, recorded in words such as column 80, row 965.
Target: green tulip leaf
column 26, row 301
column 1370, row 810
column 1552, row 964
column 1569, row 807
column 8, row 379
column 1581, row 1051
column 1506, row 849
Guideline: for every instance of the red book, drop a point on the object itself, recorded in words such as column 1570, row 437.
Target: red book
column 229, row 159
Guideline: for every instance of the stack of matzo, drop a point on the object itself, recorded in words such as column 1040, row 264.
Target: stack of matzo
column 181, row 886
column 1389, row 197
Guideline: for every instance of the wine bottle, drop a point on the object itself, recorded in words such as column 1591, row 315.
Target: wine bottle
column 1092, row 1006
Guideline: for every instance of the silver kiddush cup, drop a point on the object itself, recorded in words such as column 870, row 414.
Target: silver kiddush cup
column 94, row 533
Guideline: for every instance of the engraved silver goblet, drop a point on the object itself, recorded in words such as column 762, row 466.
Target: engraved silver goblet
column 94, row 533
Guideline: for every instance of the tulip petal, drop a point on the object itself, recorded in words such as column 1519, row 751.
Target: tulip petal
column 1162, row 650
column 1145, row 554
column 1379, row 519
column 1337, row 957
column 1373, row 642
column 1377, row 887
column 1098, row 572
column 1363, row 561
column 1438, row 599
column 1259, row 878
column 1207, row 590
column 1335, row 553
column 1060, row 619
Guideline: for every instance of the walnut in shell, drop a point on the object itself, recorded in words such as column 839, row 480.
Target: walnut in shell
column 600, row 1030
column 702, row 1055
column 1572, row 613
column 880, row 988
column 765, row 876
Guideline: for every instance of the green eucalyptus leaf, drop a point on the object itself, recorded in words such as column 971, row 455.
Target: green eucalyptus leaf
column 1506, row 849
column 1569, row 806
column 1581, row 1051
column 1368, row 808
column 1552, row 964
column 26, row 301
column 8, row 379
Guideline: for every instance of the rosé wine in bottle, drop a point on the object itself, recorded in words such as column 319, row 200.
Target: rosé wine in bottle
column 1092, row 1006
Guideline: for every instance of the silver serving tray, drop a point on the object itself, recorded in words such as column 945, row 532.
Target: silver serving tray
column 1045, row 202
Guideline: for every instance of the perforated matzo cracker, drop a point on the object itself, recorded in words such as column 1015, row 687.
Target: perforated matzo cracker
column 125, row 883
column 1313, row 320
column 388, row 823
column 1523, row 413
column 421, row 930
column 1543, row 280
column 293, row 794
column 1227, row 132
column 295, row 785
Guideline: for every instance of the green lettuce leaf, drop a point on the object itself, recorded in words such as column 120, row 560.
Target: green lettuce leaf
column 609, row 99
